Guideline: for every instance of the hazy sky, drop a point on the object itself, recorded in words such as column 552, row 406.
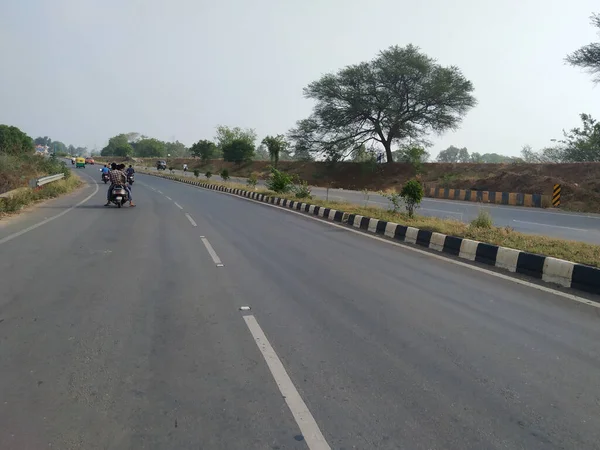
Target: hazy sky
column 81, row 71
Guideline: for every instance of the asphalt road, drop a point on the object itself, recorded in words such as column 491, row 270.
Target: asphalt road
column 583, row 227
column 119, row 330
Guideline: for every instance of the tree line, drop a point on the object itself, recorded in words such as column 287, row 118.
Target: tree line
column 60, row 148
column 384, row 109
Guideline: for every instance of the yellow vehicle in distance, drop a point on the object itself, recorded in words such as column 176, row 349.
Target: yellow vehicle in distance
column 80, row 162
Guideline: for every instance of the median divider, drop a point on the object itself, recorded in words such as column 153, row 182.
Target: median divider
column 544, row 268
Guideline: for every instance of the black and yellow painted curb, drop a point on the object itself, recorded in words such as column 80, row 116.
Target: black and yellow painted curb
column 556, row 195
column 498, row 198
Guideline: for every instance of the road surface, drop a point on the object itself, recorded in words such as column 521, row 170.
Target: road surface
column 583, row 227
column 122, row 329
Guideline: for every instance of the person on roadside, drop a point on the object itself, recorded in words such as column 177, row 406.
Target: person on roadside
column 185, row 167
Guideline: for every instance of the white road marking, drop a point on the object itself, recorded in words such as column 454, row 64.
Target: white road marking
column 160, row 192
column 10, row 237
column 548, row 225
column 168, row 198
column 538, row 287
column 191, row 220
column 178, row 205
column 442, row 211
column 211, row 252
column 305, row 420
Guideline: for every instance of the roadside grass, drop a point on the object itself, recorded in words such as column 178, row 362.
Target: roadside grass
column 26, row 197
column 575, row 251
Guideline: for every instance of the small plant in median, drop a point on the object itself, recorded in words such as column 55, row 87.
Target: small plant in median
column 412, row 194
column 302, row 190
column 171, row 169
column 366, row 196
column 225, row 174
column 483, row 220
column 196, row 173
column 279, row 182
column 252, row 180
column 208, row 174
column 395, row 199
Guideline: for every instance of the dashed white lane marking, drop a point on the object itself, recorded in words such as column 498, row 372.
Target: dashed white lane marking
column 160, row 192
column 168, row 198
column 211, row 252
column 191, row 220
column 305, row 420
column 538, row 287
column 548, row 225
column 10, row 237
column 178, row 205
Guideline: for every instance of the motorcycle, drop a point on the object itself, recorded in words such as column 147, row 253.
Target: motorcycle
column 105, row 178
column 130, row 179
column 119, row 195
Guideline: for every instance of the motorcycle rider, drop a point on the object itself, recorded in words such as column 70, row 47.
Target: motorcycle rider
column 121, row 167
column 117, row 176
column 130, row 171
column 104, row 170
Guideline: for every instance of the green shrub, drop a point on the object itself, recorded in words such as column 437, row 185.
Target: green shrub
column 252, row 181
column 196, row 172
column 483, row 220
column 208, row 174
column 412, row 194
column 395, row 199
column 302, row 190
column 225, row 174
column 279, row 182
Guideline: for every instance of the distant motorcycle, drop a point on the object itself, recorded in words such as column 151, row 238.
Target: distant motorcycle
column 119, row 195
column 130, row 179
column 105, row 178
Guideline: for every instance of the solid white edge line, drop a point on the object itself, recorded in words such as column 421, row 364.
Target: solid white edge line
column 552, row 226
column 191, row 220
column 178, row 205
column 423, row 252
column 10, row 237
column 308, row 426
column 211, row 252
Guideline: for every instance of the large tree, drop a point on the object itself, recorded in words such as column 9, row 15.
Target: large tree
column 13, row 141
column 238, row 150
column 454, row 155
column 588, row 56
column 400, row 95
column 226, row 135
column 118, row 146
column 582, row 144
column 150, row 148
column 43, row 141
column 204, row 149
column 276, row 145
column 176, row 149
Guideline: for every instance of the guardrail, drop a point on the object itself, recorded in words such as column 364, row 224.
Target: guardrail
column 38, row 182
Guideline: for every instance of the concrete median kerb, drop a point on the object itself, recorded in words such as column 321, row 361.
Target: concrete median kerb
column 545, row 268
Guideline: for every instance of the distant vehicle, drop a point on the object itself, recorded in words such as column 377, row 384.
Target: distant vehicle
column 161, row 165
column 80, row 162
column 89, row 161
